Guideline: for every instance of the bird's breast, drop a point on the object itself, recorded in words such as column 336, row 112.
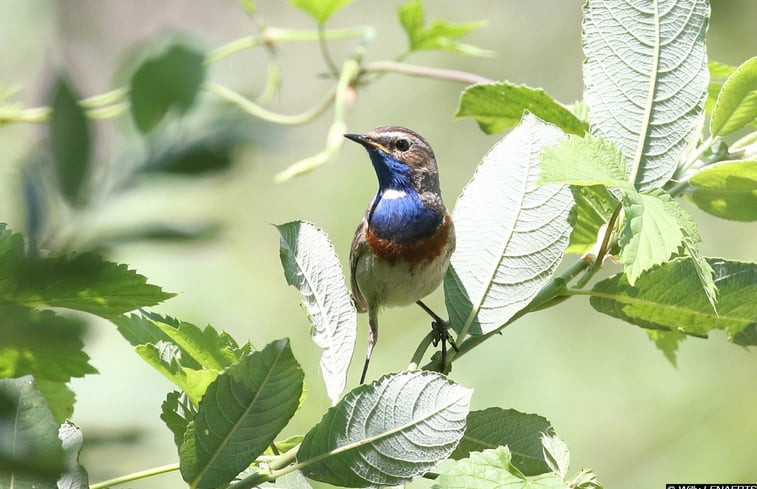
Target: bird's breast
column 424, row 249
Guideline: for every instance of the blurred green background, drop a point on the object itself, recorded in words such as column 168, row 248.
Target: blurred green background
column 623, row 409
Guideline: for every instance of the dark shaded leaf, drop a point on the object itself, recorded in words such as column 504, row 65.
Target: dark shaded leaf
column 169, row 80
column 82, row 282
column 70, row 141
column 521, row 433
column 240, row 415
column 31, row 455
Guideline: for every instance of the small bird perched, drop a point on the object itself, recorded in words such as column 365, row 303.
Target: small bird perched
column 402, row 247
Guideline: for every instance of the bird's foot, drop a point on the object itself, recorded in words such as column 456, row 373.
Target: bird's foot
column 443, row 336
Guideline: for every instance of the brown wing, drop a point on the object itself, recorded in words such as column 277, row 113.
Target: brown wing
column 357, row 249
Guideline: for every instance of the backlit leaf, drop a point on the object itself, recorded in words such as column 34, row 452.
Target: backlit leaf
column 646, row 80
column 311, row 265
column 387, row 432
column 511, row 232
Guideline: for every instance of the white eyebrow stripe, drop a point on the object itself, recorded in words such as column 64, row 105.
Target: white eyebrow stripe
column 392, row 194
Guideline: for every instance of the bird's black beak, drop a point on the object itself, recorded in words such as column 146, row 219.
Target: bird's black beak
column 366, row 141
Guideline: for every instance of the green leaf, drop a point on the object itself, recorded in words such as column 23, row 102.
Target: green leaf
column 311, row 265
column 240, row 415
column 500, row 106
column 82, row 282
column 727, row 189
column 30, row 451
column 70, row 141
column 718, row 73
column 584, row 161
column 166, row 358
column 668, row 297
column 594, row 206
column 736, row 105
column 646, row 80
column 207, row 347
column 667, row 342
column 651, row 233
column 75, row 476
column 169, row 80
column 521, row 433
column 320, row 10
column 511, row 233
column 438, row 35
column 175, row 421
column 387, row 432
column 47, row 346
column 493, row 469
column 188, row 356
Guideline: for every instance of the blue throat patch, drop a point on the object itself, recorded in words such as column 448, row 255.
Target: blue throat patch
column 403, row 219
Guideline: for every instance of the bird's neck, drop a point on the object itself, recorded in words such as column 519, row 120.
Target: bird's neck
column 401, row 214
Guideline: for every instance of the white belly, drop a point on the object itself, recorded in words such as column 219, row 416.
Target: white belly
column 397, row 284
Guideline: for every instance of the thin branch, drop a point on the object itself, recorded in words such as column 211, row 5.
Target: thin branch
column 425, row 72
column 142, row 474
column 257, row 111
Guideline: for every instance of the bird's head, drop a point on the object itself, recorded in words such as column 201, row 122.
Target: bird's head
column 402, row 159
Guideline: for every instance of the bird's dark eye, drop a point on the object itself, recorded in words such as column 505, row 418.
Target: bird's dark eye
column 402, row 145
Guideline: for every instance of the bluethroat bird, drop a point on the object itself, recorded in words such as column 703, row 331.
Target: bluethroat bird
column 402, row 247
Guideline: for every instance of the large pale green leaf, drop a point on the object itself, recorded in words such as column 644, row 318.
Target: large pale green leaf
column 727, row 189
column 438, row 34
column 736, row 105
column 170, row 80
column 500, row 106
column 240, row 415
column 70, row 141
column 584, row 161
column 646, row 79
column 511, row 233
column 47, row 346
column 493, row 469
column 668, row 297
column 311, row 265
column 31, row 455
column 320, row 10
column 520, row 432
column 82, row 282
column 387, row 432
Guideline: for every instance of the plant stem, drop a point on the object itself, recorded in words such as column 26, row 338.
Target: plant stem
column 277, row 469
column 273, row 35
column 142, row 474
column 257, row 111
column 425, row 72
